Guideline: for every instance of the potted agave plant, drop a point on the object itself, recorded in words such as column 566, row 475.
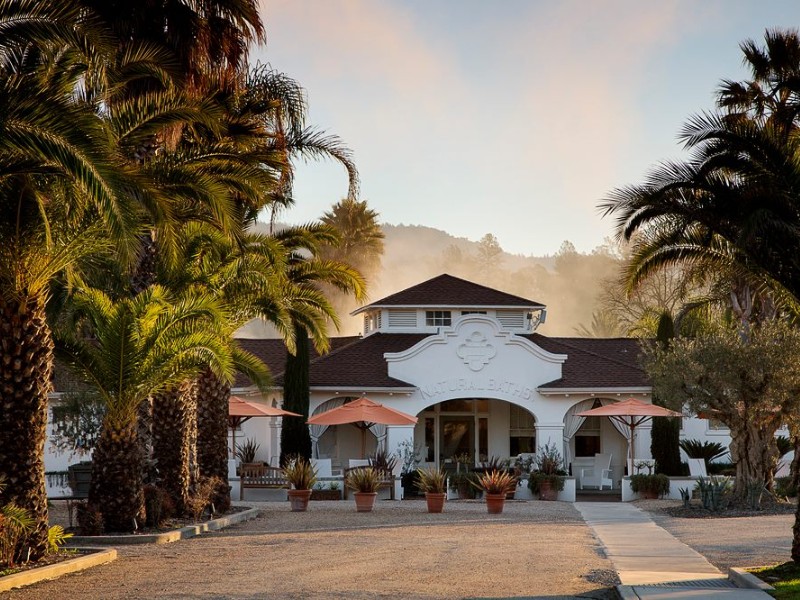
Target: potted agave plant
column 302, row 476
column 365, row 483
column 495, row 485
column 433, row 482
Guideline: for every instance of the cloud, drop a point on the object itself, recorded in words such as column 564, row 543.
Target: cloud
column 522, row 120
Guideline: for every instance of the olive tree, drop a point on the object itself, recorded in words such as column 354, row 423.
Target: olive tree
column 749, row 380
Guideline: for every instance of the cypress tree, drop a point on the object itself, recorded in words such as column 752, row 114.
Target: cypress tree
column 295, row 437
column 665, row 435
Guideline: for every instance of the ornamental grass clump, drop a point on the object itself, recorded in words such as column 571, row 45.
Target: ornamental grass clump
column 300, row 473
column 496, row 482
column 246, row 451
column 364, row 479
column 432, row 480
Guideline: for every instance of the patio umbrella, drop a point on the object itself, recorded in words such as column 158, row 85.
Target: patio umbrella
column 363, row 413
column 631, row 413
column 240, row 410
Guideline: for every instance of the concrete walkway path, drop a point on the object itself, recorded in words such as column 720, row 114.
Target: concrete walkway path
column 652, row 563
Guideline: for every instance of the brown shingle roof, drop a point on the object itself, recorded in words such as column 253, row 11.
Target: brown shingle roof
column 446, row 290
column 273, row 353
column 595, row 363
column 598, row 363
column 361, row 364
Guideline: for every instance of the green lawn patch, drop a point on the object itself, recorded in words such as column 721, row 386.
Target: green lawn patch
column 784, row 578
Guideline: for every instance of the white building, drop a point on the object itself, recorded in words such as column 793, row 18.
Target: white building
column 467, row 361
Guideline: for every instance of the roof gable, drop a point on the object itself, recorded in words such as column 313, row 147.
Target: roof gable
column 446, row 290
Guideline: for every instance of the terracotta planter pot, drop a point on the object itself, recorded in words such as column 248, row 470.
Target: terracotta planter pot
column 546, row 491
column 365, row 501
column 435, row 501
column 299, row 500
column 495, row 503
column 648, row 495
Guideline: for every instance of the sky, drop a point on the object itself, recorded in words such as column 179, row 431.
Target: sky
column 510, row 117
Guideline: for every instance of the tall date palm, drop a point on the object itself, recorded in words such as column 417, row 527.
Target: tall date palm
column 130, row 350
column 55, row 164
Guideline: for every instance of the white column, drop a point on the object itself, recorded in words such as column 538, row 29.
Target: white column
column 275, row 440
column 551, row 433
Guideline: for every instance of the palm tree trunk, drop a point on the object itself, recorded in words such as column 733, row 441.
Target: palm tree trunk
column 212, row 433
column 174, row 418
column 26, row 365
column 116, row 487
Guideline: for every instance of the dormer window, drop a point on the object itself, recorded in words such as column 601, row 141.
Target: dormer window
column 438, row 318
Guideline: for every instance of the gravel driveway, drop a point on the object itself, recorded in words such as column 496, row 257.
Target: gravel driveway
column 533, row 549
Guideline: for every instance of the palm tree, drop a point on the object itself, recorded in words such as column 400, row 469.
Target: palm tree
column 251, row 279
column 208, row 39
column 733, row 208
column 130, row 350
column 772, row 95
column 360, row 241
column 191, row 419
column 310, row 310
column 55, row 166
column 278, row 104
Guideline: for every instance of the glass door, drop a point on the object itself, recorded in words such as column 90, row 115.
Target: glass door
column 457, row 436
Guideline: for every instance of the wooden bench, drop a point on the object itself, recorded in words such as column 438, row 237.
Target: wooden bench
column 260, row 476
column 387, row 479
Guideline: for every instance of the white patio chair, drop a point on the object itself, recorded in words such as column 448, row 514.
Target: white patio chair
column 697, row 467
column 599, row 474
column 323, row 467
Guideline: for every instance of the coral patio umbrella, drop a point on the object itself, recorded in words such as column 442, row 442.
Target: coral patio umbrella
column 631, row 413
column 363, row 413
column 240, row 410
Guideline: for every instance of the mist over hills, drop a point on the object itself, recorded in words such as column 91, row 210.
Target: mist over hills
column 568, row 282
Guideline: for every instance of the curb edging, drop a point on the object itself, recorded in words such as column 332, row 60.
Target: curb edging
column 746, row 580
column 625, row 592
column 183, row 533
column 97, row 556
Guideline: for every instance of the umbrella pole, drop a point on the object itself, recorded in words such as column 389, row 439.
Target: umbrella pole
column 363, row 442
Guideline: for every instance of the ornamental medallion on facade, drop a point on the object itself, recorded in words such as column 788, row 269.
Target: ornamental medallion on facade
column 476, row 351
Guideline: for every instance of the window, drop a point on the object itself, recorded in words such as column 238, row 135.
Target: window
column 716, row 425
column 438, row 318
column 587, row 438
column 473, row 312
column 522, row 431
column 430, row 439
column 456, row 406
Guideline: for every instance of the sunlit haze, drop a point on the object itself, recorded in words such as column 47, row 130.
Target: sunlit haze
column 513, row 118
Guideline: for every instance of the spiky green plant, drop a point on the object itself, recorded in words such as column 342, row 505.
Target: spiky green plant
column 56, row 537
column 709, row 451
column 496, row 482
column 300, row 473
column 432, row 480
column 364, row 479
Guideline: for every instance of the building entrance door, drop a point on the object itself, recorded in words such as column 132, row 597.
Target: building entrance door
column 457, row 436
